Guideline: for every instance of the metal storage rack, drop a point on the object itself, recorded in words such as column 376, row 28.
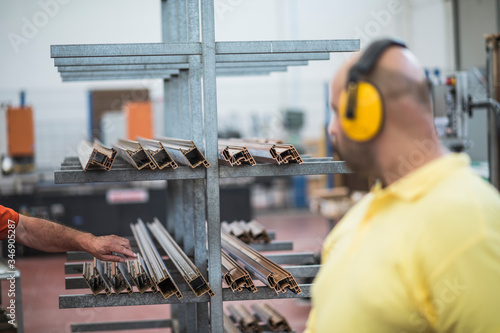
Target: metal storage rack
column 188, row 61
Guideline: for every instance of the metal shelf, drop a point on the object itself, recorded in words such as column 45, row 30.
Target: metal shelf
column 71, row 171
column 148, row 298
column 188, row 61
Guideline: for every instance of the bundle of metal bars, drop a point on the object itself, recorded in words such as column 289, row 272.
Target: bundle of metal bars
column 158, row 154
column 155, row 265
column 276, row 153
column 185, row 266
column 133, row 153
column 264, row 269
column 229, row 326
column 243, row 317
column 184, row 152
column 234, row 155
column 248, row 232
column 235, row 276
column 271, row 317
column 95, row 155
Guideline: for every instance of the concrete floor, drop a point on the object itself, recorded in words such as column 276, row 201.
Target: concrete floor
column 43, row 282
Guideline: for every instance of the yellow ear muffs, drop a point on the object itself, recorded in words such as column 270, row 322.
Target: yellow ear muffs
column 368, row 114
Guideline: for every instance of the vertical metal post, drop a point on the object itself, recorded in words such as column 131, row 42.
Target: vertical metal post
column 213, row 203
column 195, row 94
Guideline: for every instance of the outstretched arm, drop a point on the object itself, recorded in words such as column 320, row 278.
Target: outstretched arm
column 52, row 237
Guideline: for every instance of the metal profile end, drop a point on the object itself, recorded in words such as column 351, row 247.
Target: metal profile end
column 133, row 153
column 184, row 152
column 244, row 318
column 158, row 154
column 100, row 270
column 95, row 155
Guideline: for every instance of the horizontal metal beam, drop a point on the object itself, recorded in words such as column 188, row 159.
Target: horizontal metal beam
column 297, row 258
column 306, row 168
column 121, row 325
column 148, row 298
column 294, row 46
column 134, row 60
column 273, row 246
column 142, row 68
column 116, row 50
column 119, row 74
column 150, row 49
column 223, row 58
column 123, row 67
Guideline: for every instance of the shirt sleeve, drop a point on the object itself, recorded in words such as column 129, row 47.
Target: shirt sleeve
column 7, row 217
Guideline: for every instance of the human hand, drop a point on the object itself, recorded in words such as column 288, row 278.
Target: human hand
column 107, row 248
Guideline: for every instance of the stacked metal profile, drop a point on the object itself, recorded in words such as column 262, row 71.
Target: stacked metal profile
column 184, row 265
column 235, row 276
column 271, row 317
column 248, row 232
column 155, row 266
column 184, row 152
column 158, row 154
column 261, row 267
column 233, row 155
column 134, row 154
column 267, row 152
column 95, row 155
column 229, row 326
column 244, row 319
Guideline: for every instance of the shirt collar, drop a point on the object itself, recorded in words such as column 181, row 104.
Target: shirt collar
column 418, row 182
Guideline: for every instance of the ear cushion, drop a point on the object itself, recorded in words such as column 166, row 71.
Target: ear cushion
column 369, row 113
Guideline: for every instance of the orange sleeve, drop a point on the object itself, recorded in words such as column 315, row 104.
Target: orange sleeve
column 7, row 216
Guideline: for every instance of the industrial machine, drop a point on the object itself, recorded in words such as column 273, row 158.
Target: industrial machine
column 454, row 105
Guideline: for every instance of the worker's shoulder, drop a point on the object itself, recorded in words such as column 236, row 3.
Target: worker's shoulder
column 461, row 206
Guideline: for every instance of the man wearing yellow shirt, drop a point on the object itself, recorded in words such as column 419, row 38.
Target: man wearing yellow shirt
column 421, row 251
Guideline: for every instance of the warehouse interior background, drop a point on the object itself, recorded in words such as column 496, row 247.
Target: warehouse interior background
column 443, row 39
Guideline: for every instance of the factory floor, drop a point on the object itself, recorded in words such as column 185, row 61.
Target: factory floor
column 43, row 281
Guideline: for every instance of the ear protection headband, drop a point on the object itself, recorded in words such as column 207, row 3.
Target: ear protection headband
column 361, row 109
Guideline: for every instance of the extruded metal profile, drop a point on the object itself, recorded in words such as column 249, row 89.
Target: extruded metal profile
column 95, row 155
column 238, row 230
column 134, row 154
column 158, row 154
column 158, row 271
column 119, row 277
column 244, row 318
column 267, row 152
column 92, row 279
column 235, row 276
column 271, row 317
column 100, row 270
column 140, row 276
column 233, row 155
column 188, row 270
column 229, row 326
column 264, row 269
column 184, row 152
column 258, row 232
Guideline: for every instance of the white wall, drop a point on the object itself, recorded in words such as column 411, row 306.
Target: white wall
column 28, row 65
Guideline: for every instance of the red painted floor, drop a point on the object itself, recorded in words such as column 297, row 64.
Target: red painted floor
column 43, row 281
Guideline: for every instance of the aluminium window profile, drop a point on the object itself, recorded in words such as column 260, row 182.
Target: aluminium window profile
column 100, row 270
column 92, row 279
column 244, row 318
column 133, row 153
column 158, row 154
column 229, row 326
column 95, row 155
column 158, row 271
column 234, row 156
column 258, row 232
column 261, row 267
column 184, row 265
column 184, row 152
column 140, row 275
column 235, row 276
column 237, row 230
column 271, row 317
column 267, row 152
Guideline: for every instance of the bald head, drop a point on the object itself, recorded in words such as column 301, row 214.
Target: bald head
column 407, row 112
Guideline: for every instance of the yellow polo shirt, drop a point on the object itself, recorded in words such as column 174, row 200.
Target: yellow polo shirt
column 422, row 255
